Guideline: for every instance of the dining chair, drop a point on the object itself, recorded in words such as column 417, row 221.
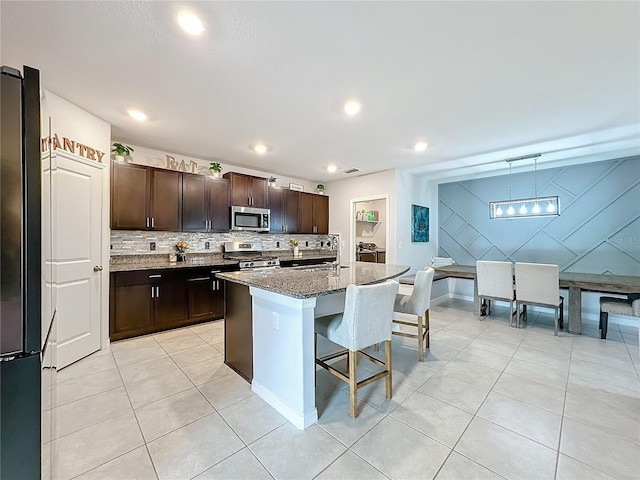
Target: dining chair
column 537, row 284
column 629, row 307
column 366, row 321
column 416, row 304
column 494, row 281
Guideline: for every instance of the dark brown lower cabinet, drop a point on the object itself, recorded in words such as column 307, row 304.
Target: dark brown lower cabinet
column 148, row 301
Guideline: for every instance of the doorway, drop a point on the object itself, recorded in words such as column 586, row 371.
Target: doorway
column 369, row 229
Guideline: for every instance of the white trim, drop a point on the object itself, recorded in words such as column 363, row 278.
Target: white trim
column 352, row 221
column 300, row 421
column 77, row 158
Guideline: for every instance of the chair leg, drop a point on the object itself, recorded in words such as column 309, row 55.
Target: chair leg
column 561, row 321
column 511, row 313
column 556, row 321
column 604, row 324
column 426, row 325
column 387, row 362
column 480, row 300
column 420, row 343
column 376, row 347
column 353, row 384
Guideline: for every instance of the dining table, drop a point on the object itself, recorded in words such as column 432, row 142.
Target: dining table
column 575, row 282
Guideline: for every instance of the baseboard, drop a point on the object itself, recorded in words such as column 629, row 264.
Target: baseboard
column 300, row 421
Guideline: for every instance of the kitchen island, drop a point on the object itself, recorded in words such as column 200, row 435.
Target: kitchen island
column 284, row 304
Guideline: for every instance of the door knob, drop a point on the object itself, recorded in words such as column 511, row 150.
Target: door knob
column 97, row 268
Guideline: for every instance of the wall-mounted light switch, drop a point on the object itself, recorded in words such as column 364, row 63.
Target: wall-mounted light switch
column 207, row 245
column 152, row 246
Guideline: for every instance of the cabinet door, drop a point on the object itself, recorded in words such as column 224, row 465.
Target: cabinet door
column 239, row 189
column 132, row 311
column 171, row 307
column 129, row 196
column 276, row 206
column 194, row 203
column 219, row 216
column 259, row 187
column 321, row 214
column 292, row 211
column 166, row 200
column 306, row 213
column 201, row 297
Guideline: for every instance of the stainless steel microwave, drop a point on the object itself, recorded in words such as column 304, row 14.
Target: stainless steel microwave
column 250, row 219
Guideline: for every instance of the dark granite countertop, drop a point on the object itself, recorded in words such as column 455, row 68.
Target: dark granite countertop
column 313, row 281
column 128, row 263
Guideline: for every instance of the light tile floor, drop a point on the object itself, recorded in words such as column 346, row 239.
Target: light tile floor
column 490, row 402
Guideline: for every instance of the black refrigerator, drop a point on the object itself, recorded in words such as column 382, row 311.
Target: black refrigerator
column 21, row 324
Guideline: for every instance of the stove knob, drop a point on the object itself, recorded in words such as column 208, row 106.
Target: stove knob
column 251, row 264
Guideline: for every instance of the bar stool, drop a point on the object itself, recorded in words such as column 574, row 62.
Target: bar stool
column 366, row 321
column 416, row 304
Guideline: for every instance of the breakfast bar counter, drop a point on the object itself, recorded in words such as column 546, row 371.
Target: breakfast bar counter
column 284, row 303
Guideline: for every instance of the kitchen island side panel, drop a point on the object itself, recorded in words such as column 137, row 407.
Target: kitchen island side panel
column 238, row 337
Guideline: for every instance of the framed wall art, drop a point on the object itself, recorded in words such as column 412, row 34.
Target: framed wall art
column 419, row 223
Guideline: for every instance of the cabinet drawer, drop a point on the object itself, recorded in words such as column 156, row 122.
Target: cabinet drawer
column 147, row 276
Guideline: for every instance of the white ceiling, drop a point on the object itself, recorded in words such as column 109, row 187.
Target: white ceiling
column 479, row 81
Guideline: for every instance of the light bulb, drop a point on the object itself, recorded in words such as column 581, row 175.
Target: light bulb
column 551, row 207
column 536, row 208
column 420, row 146
column 190, row 23
column 352, row 108
column 511, row 210
column 499, row 211
column 260, row 148
column 523, row 209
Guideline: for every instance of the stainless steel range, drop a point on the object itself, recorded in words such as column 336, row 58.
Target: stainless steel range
column 249, row 255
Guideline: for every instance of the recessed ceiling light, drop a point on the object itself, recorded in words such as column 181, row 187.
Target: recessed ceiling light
column 420, row 146
column 138, row 115
column 260, row 148
column 190, row 22
column 352, row 107
column 332, row 168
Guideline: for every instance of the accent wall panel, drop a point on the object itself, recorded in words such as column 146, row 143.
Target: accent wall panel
column 598, row 230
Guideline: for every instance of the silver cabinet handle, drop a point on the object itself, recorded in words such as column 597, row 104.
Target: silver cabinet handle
column 152, row 293
column 157, row 292
column 213, row 285
column 155, row 276
column 97, row 268
column 146, row 222
column 153, row 222
column 199, row 279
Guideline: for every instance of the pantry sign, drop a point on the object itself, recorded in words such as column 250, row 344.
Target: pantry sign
column 71, row 146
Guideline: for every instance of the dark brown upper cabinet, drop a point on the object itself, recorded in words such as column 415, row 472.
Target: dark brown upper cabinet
column 314, row 213
column 205, row 203
column 285, row 210
column 144, row 198
column 247, row 191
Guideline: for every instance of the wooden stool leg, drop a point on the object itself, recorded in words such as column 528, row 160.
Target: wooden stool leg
column 420, row 340
column 387, row 362
column 426, row 325
column 353, row 384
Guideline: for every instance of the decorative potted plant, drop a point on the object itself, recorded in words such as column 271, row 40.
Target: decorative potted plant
column 215, row 168
column 182, row 248
column 294, row 243
column 272, row 181
column 320, row 188
column 121, row 150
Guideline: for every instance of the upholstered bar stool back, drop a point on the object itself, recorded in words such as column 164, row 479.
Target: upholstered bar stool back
column 628, row 307
column 538, row 284
column 416, row 304
column 366, row 321
column 495, row 282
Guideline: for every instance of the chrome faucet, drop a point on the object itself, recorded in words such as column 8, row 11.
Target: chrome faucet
column 335, row 245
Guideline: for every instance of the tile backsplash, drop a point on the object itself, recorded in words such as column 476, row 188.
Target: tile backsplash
column 136, row 242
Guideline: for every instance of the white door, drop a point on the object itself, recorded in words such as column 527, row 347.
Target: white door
column 77, row 247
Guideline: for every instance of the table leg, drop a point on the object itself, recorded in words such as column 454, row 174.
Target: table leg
column 575, row 310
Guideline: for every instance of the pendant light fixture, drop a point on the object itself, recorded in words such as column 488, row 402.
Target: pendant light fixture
column 529, row 207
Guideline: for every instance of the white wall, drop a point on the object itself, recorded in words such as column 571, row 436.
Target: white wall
column 69, row 120
column 414, row 190
column 157, row 158
column 342, row 192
